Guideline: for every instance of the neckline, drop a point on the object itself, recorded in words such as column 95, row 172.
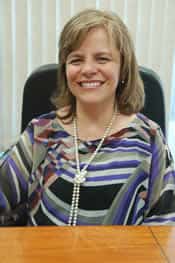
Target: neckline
column 116, row 134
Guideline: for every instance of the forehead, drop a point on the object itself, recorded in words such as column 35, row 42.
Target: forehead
column 96, row 39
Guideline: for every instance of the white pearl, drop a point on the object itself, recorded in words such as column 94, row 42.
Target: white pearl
column 80, row 177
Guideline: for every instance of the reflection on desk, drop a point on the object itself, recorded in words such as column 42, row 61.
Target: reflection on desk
column 165, row 236
column 87, row 244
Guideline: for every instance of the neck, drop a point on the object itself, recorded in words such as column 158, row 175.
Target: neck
column 92, row 121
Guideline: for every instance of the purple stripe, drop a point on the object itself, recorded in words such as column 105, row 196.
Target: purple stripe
column 137, row 214
column 112, row 165
column 108, row 177
column 13, row 192
column 121, row 213
column 155, row 161
column 154, row 172
column 62, row 171
column 50, row 115
column 60, row 216
column 140, row 151
column 60, row 134
column 35, row 194
column 95, row 178
column 19, row 175
column 134, row 212
column 169, row 176
column 53, row 211
column 55, row 137
column 160, row 219
column 3, row 203
column 140, row 213
column 133, row 143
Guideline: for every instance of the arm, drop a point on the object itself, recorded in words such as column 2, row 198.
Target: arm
column 160, row 207
column 15, row 170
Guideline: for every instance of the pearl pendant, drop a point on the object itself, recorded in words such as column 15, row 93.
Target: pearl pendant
column 80, row 177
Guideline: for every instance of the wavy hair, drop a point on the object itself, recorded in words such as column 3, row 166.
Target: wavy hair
column 130, row 91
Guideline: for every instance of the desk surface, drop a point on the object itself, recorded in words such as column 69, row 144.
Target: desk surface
column 87, row 244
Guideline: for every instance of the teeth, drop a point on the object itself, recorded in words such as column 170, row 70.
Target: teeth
column 90, row 84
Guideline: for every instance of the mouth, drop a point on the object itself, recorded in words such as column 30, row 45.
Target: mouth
column 91, row 84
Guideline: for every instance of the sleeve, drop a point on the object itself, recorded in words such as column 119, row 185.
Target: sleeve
column 160, row 206
column 15, row 169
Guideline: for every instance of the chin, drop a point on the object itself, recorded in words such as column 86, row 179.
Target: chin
column 90, row 99
column 94, row 101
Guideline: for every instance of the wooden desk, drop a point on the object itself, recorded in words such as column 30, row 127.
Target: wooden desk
column 165, row 237
column 87, row 244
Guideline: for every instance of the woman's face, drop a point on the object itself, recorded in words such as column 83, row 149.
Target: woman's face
column 93, row 69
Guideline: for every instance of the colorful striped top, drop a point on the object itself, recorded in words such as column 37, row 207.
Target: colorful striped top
column 130, row 182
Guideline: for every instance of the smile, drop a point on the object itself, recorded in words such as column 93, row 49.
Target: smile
column 91, row 84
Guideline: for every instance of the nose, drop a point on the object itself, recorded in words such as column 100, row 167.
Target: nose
column 89, row 68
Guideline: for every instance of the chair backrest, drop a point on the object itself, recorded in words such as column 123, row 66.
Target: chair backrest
column 43, row 81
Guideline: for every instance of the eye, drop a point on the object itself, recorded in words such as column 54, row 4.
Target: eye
column 103, row 60
column 75, row 61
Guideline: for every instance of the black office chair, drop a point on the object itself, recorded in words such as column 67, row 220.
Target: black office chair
column 42, row 83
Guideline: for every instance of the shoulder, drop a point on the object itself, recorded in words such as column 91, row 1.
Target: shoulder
column 145, row 121
column 44, row 127
column 153, row 131
column 148, row 125
column 147, row 130
column 44, row 120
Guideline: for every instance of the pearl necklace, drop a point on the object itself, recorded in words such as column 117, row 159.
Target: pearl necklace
column 80, row 176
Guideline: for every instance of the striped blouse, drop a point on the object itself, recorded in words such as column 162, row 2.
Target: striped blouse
column 131, row 181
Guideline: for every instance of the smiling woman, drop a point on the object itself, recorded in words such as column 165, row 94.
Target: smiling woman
column 93, row 71
column 99, row 48
column 95, row 160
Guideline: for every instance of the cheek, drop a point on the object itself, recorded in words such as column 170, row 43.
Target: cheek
column 115, row 75
column 112, row 72
column 68, row 74
column 71, row 74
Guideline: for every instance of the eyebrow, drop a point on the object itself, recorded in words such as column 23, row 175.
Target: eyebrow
column 74, row 55
column 77, row 54
column 104, row 53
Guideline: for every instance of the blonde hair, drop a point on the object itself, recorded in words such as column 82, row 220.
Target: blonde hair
column 130, row 90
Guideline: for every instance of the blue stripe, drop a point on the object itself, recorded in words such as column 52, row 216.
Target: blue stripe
column 170, row 175
column 121, row 213
column 127, row 150
column 111, row 165
column 56, row 213
column 159, row 219
column 18, row 174
column 3, row 202
column 127, row 144
column 108, row 177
